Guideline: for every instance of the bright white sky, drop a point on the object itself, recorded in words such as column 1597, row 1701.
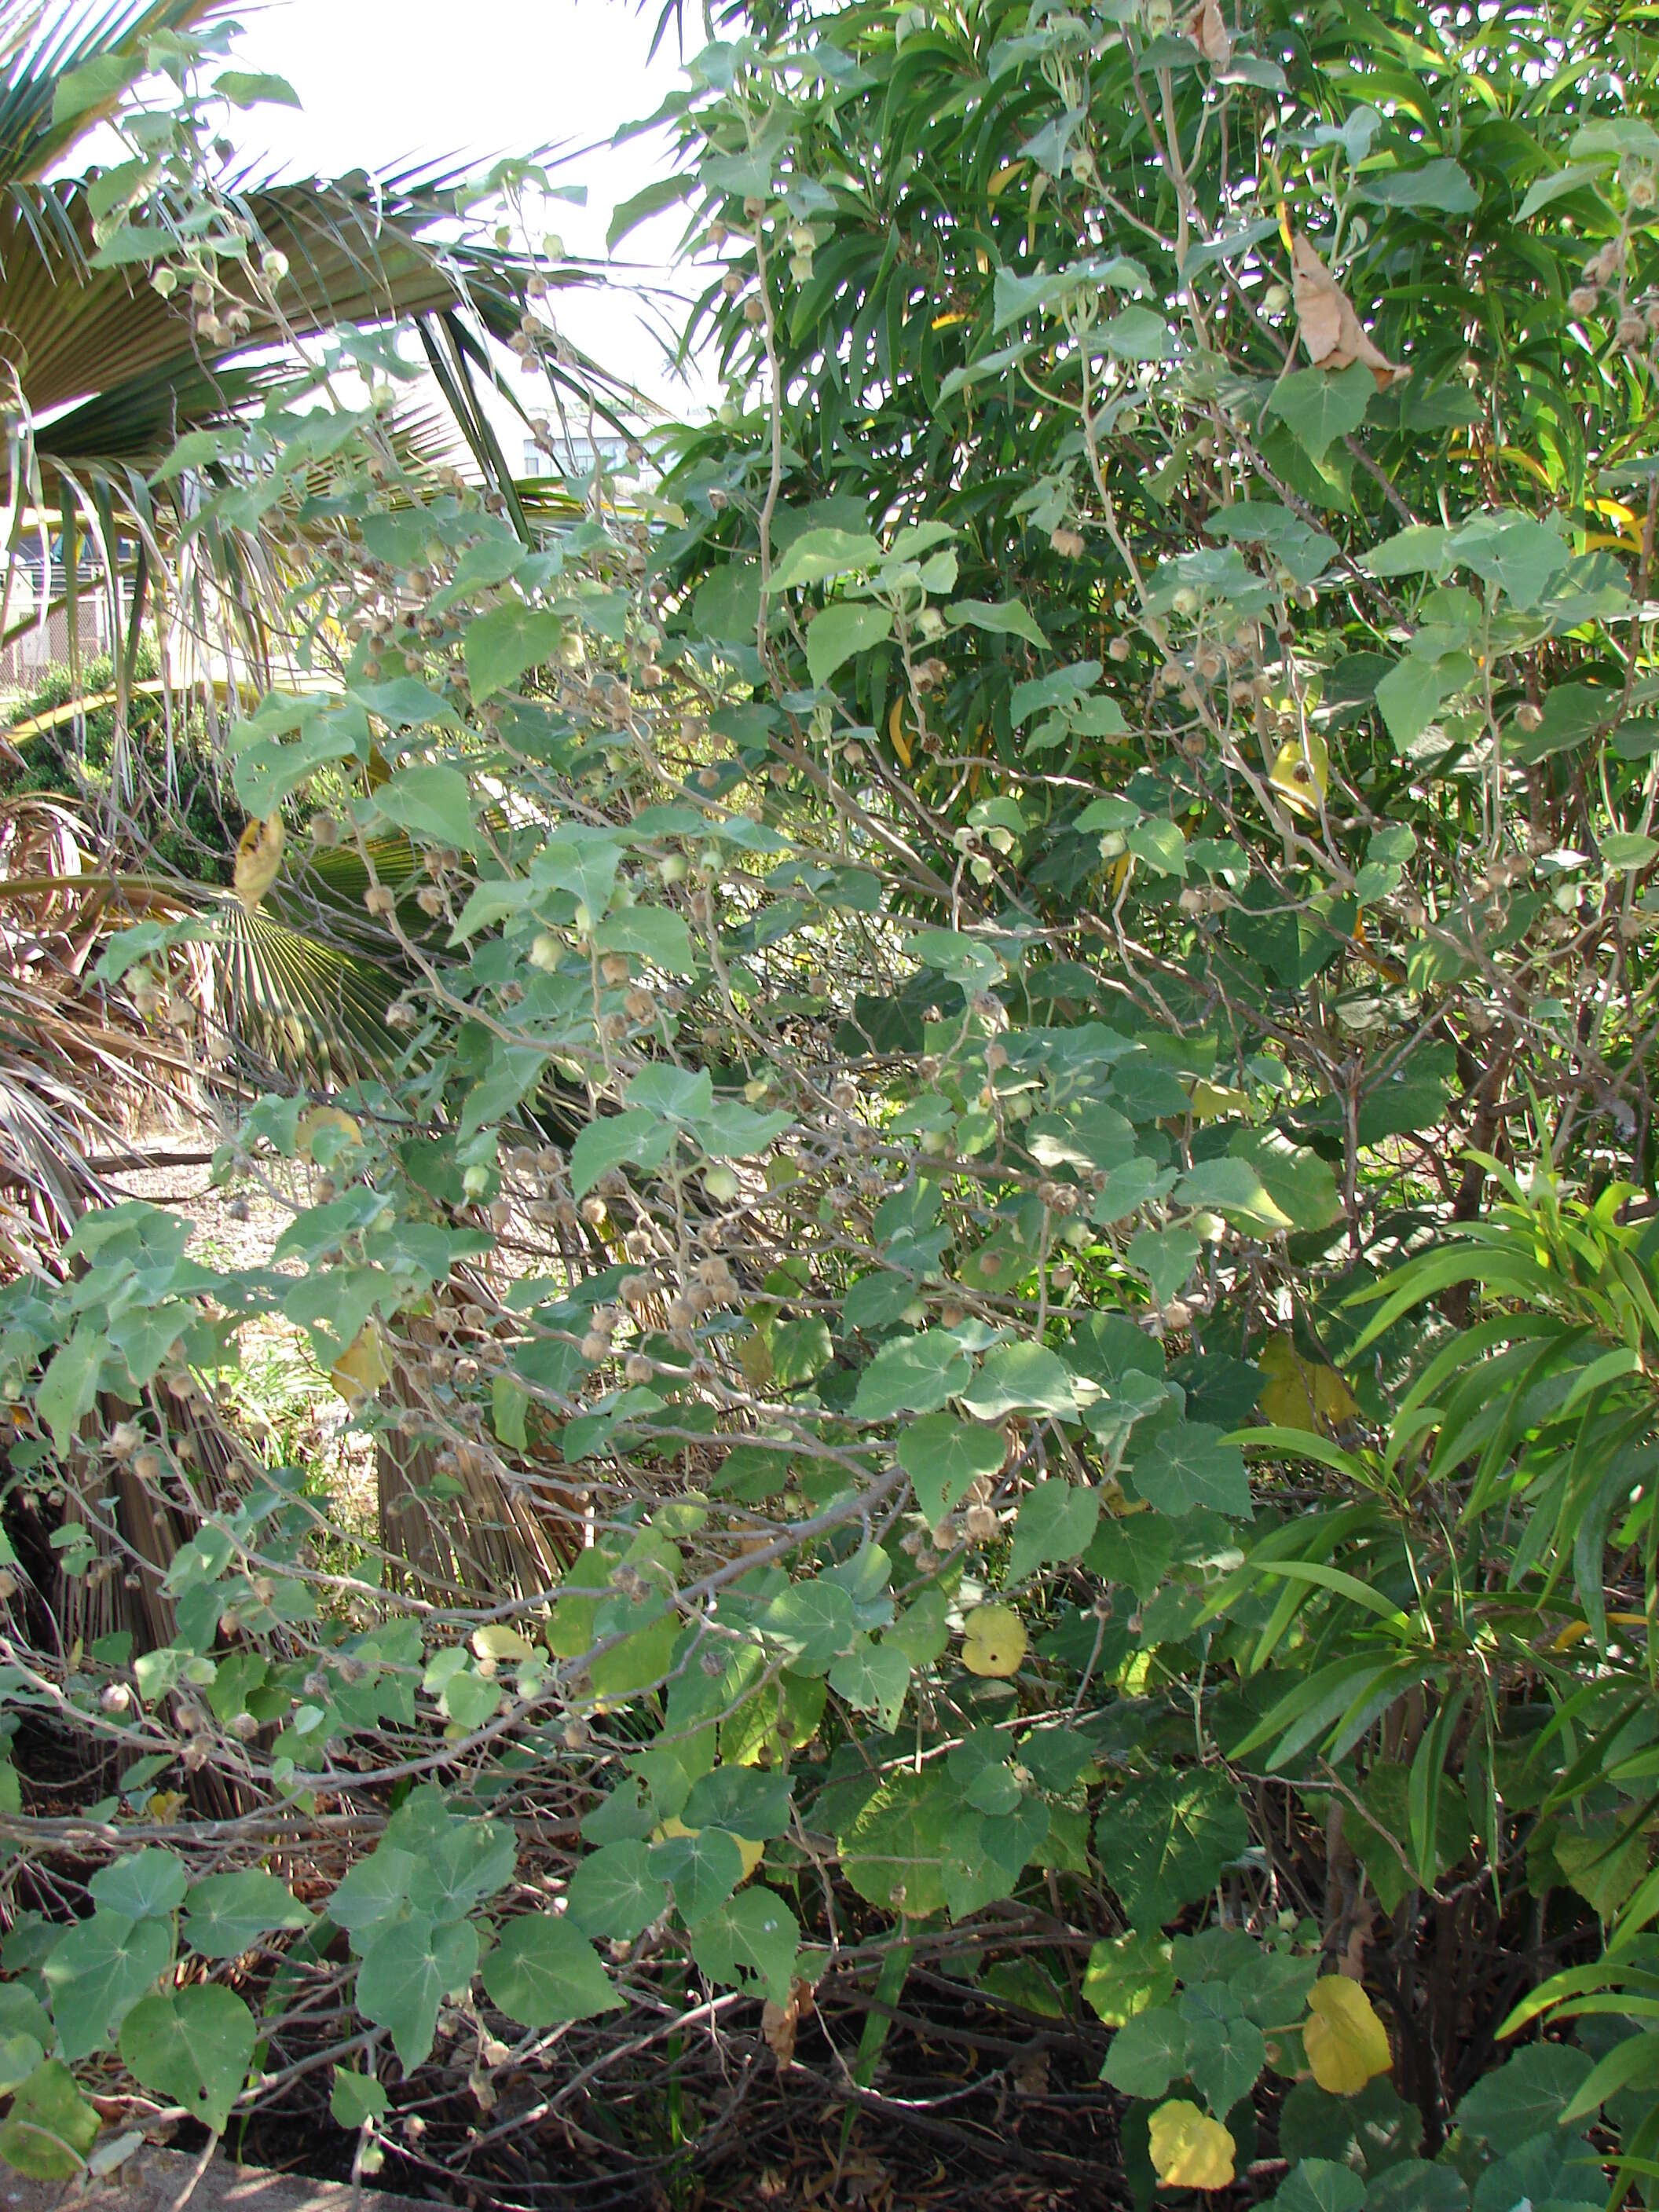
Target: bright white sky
column 386, row 83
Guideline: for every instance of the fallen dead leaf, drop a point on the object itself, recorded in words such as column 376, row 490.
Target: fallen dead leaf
column 1030, row 2073
column 1332, row 332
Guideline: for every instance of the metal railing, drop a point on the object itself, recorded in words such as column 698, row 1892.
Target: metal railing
column 38, row 646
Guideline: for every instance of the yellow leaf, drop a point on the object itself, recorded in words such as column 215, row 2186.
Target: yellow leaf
column 1594, row 540
column 1301, row 772
column 496, row 1640
column 1576, row 1631
column 993, row 1640
column 1303, row 1393
column 753, row 1853
column 755, row 1358
column 164, row 1806
column 1533, row 466
column 322, row 1118
column 362, row 1367
column 1189, row 2151
column 259, row 858
column 1212, row 1100
column 896, row 732
column 1346, row 2042
column 1002, row 178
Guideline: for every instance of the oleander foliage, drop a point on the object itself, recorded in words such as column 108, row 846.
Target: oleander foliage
column 1004, row 1277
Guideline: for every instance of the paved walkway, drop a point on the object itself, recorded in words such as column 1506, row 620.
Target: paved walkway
column 154, row 2179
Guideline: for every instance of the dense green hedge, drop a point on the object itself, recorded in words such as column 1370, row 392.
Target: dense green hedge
column 1006, row 1287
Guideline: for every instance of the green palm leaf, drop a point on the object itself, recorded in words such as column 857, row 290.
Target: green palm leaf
column 305, row 1005
column 34, row 62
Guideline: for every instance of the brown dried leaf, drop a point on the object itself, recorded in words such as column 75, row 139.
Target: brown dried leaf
column 1029, row 2072
column 865, row 2180
column 779, row 2024
column 1206, row 26
column 1332, row 332
column 259, row 860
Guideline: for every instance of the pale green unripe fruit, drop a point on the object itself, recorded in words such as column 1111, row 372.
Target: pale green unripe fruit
column 721, row 1182
column 673, row 869
column 476, row 1181
column 544, row 953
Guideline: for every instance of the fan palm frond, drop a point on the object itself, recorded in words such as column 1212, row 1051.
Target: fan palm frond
column 45, row 1183
column 35, row 135
column 308, row 1006
column 112, row 373
column 266, row 989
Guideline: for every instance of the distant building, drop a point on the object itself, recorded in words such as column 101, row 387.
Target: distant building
column 574, row 457
column 41, row 645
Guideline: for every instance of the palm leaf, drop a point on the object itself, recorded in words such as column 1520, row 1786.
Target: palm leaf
column 34, row 64
column 305, row 1004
